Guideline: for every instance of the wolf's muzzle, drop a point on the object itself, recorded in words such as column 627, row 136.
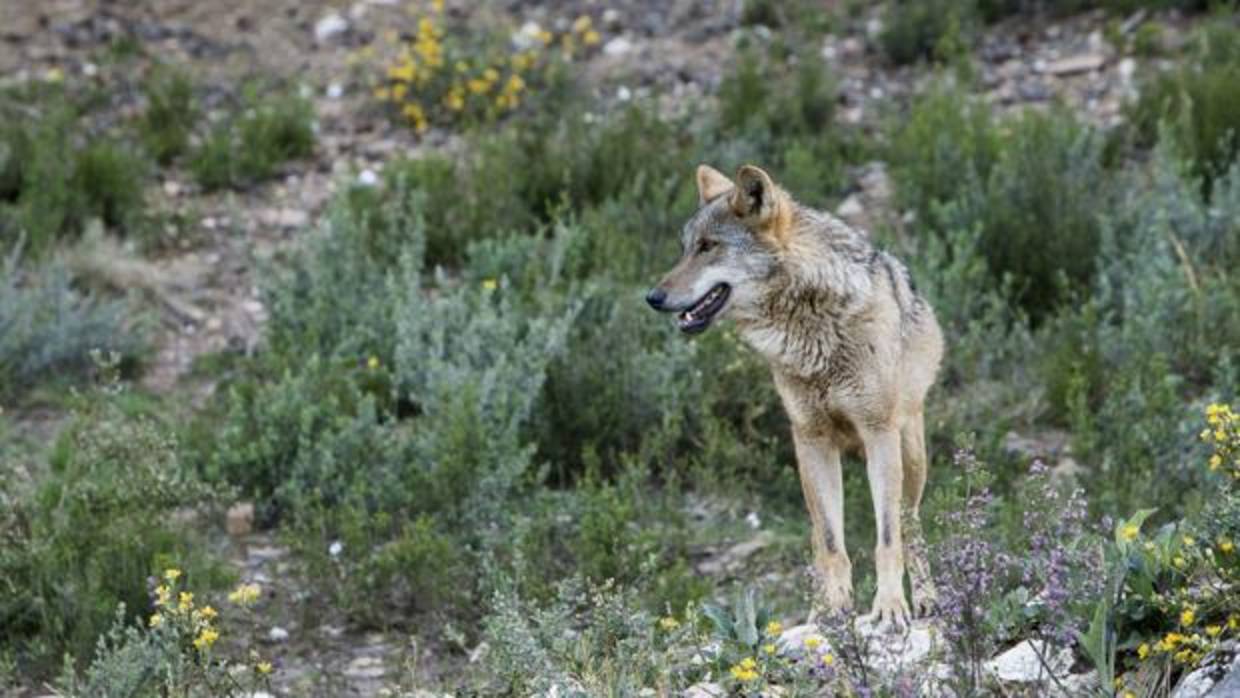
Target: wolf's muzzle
column 656, row 298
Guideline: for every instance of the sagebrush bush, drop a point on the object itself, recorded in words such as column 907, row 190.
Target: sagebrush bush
column 48, row 329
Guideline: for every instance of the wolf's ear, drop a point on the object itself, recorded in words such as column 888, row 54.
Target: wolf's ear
column 711, row 184
column 757, row 200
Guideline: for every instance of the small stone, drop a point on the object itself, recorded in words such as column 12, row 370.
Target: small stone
column 330, row 26
column 1083, row 63
column 365, row 668
column 277, row 634
column 172, row 188
column 367, row 178
column 734, row 556
column 335, row 91
column 618, row 46
column 705, row 689
column 240, row 519
column 624, row 94
column 90, row 70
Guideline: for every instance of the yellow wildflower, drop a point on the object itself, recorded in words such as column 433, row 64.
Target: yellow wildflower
column 454, row 100
column 404, row 71
column 828, row 659
column 1233, row 623
column 54, row 75
column 157, row 620
column 399, row 90
column 582, row 24
column 514, row 85
column 186, row 601
column 1179, row 561
column 206, row 638
column 1184, row 656
column 746, row 670
column 774, row 628
column 171, row 574
column 1190, row 541
column 207, row 613
column 162, row 595
column 668, row 623
column 491, row 75
column 1143, row 650
column 1214, row 630
column 544, row 37
column 478, row 86
column 491, row 285
column 769, row 648
column 1129, row 694
column 1225, row 545
column 263, row 668
column 522, row 61
column 1172, row 639
column 245, row 594
column 383, row 94
column 1130, row 532
column 372, row 363
column 1216, row 462
column 591, row 38
column 1187, row 616
column 437, row 5
column 812, row 642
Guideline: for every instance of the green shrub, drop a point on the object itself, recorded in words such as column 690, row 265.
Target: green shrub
column 917, row 29
column 779, row 110
column 83, row 538
column 1197, row 103
column 54, row 178
column 1033, row 185
column 49, row 329
column 170, row 116
column 250, row 146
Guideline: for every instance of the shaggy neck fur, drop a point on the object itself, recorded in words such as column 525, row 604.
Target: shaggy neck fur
column 819, row 285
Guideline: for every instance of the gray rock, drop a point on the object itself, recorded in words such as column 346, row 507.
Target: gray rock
column 1023, row 663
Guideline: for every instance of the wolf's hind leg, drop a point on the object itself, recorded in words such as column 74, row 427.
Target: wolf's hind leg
column 913, row 450
column 822, row 481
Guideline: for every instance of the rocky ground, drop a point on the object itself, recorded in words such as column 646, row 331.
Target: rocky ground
column 203, row 285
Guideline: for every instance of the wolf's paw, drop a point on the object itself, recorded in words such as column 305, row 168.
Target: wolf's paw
column 890, row 613
column 925, row 599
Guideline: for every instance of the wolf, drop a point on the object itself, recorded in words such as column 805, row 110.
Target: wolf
column 853, row 350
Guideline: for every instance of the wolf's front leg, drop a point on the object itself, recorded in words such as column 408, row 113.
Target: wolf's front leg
column 886, row 473
column 818, row 461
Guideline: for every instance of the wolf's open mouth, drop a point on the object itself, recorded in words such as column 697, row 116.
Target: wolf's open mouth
column 699, row 315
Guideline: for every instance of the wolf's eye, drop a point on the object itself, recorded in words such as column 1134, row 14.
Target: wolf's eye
column 705, row 245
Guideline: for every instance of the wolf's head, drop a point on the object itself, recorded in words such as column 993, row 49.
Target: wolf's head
column 728, row 248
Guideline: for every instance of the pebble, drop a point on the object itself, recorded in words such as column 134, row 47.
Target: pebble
column 330, row 26
column 617, row 46
column 368, row 178
column 277, row 634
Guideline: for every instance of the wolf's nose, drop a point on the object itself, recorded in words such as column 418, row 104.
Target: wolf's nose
column 656, row 297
